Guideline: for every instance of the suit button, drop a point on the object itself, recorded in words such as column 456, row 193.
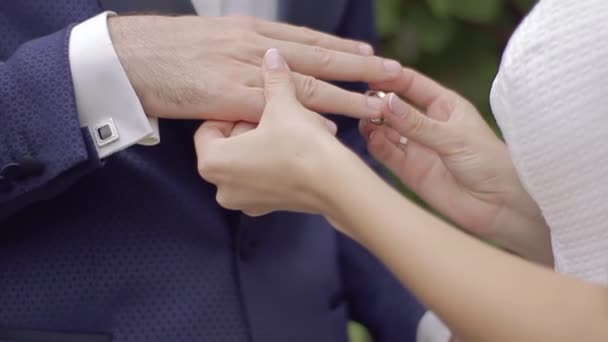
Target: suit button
column 5, row 185
column 12, row 172
column 31, row 166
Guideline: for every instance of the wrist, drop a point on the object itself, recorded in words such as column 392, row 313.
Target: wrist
column 126, row 35
column 342, row 182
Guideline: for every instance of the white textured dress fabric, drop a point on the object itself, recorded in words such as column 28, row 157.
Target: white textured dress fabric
column 551, row 101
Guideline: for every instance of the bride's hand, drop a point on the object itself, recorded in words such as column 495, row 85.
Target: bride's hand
column 277, row 165
column 456, row 163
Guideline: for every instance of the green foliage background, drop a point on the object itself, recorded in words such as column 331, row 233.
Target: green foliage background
column 457, row 42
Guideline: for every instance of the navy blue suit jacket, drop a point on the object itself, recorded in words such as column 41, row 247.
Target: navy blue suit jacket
column 135, row 248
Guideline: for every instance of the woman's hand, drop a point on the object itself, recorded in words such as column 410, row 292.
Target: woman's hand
column 457, row 164
column 277, row 165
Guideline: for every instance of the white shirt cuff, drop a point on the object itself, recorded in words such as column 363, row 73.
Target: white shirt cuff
column 431, row 329
column 107, row 103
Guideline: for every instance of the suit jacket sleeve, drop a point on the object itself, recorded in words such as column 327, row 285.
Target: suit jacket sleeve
column 376, row 298
column 39, row 123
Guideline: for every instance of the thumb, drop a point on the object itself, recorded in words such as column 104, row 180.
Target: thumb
column 280, row 89
column 278, row 81
column 412, row 124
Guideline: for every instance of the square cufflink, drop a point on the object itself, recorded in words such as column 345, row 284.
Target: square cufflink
column 105, row 133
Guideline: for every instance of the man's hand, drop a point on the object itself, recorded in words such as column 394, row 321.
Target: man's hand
column 456, row 163
column 209, row 68
column 277, row 165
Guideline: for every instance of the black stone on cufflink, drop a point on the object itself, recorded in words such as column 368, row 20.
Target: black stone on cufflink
column 105, row 133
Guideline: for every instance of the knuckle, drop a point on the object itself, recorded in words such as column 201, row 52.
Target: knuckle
column 373, row 63
column 244, row 37
column 408, row 77
column 445, row 103
column 243, row 21
column 418, row 125
column 308, row 88
column 234, row 40
column 323, row 56
column 278, row 79
column 309, row 36
column 225, row 200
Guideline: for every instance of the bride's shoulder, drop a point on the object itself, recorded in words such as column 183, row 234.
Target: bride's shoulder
column 557, row 39
column 553, row 67
column 558, row 28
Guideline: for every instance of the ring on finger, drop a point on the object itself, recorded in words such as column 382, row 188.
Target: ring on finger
column 381, row 95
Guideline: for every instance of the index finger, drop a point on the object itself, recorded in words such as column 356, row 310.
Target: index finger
column 419, row 89
column 323, row 97
column 334, row 65
column 306, row 36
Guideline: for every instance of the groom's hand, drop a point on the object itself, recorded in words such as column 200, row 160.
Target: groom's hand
column 209, row 68
column 278, row 165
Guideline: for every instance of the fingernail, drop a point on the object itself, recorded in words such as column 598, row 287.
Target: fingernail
column 366, row 50
column 374, row 103
column 392, row 67
column 273, row 59
column 397, row 106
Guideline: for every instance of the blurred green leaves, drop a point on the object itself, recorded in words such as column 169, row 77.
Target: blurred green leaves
column 477, row 11
column 457, row 42
column 525, row 5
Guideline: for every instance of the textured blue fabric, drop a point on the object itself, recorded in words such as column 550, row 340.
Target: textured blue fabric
column 37, row 107
column 138, row 248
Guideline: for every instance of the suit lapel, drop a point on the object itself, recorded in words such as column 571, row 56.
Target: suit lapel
column 321, row 15
column 163, row 6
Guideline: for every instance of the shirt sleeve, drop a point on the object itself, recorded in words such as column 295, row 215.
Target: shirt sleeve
column 431, row 329
column 107, row 103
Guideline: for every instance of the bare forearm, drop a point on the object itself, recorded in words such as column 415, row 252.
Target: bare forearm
column 483, row 293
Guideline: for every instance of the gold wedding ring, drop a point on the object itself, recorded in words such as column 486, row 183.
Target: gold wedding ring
column 379, row 122
column 379, row 94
